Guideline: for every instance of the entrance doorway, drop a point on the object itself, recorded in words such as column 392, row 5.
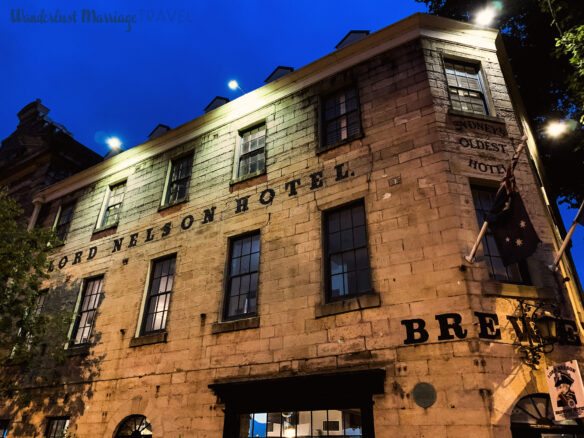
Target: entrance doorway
column 532, row 417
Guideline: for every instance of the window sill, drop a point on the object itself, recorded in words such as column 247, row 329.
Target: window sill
column 173, row 204
column 238, row 324
column 78, row 350
column 98, row 233
column 328, row 147
column 497, row 288
column 357, row 303
column 151, row 338
column 484, row 117
column 237, row 180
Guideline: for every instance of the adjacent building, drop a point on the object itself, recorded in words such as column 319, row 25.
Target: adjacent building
column 38, row 153
column 291, row 263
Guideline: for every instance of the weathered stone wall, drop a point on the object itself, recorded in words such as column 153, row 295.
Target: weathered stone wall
column 412, row 173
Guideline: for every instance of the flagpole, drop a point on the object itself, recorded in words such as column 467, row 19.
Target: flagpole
column 567, row 239
column 470, row 258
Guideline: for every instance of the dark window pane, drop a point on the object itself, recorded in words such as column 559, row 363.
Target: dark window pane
column 334, row 242
column 336, row 264
column 347, row 252
column 243, row 276
column 341, row 116
column 483, row 199
column 346, row 239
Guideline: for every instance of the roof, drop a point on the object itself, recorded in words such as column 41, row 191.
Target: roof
column 410, row 28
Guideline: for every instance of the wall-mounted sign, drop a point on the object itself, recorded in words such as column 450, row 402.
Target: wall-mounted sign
column 314, row 181
column 566, row 390
column 450, row 328
column 491, row 128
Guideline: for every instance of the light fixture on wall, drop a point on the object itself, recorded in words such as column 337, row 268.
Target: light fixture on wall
column 288, row 429
column 540, row 325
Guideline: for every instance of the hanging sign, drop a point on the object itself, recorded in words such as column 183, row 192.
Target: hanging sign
column 566, row 390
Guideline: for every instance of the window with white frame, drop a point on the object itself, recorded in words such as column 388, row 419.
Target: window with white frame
column 64, row 219
column 465, row 86
column 113, row 205
column 158, row 296
column 57, row 427
column 86, row 312
column 252, row 156
column 179, row 176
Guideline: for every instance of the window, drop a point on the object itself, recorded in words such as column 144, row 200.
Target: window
column 346, row 254
column 4, row 428
column 40, row 304
column 158, row 298
column 465, row 87
column 87, row 309
column 252, row 156
column 341, row 120
column 57, row 427
column 64, row 219
column 113, row 205
column 135, row 426
column 483, row 198
column 309, row 406
column 241, row 294
column 179, row 176
column 306, row 424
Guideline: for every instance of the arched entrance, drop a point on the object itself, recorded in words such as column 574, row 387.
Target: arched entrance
column 532, row 417
column 134, row 426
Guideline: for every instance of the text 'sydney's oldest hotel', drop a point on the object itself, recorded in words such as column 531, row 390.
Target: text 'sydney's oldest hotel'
column 291, row 262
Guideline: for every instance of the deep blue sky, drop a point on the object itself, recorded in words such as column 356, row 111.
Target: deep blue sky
column 101, row 80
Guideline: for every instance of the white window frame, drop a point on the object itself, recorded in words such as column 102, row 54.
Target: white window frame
column 236, row 177
column 105, row 204
column 166, row 189
column 58, row 217
column 489, row 106
column 138, row 333
column 70, row 339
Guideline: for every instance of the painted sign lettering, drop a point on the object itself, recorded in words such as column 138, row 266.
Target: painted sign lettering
column 450, row 328
column 266, row 197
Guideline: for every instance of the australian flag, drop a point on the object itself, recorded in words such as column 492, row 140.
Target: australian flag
column 512, row 230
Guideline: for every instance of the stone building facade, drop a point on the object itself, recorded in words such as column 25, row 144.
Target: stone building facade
column 291, row 263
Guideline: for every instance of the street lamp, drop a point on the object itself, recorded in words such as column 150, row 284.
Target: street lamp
column 486, row 16
column 234, row 85
column 556, row 128
column 114, row 142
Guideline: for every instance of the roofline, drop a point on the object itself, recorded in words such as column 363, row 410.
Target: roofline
column 406, row 30
column 158, row 126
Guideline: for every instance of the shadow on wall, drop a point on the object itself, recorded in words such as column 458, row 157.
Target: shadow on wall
column 55, row 381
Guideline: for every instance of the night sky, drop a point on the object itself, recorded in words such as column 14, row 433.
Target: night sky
column 163, row 62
